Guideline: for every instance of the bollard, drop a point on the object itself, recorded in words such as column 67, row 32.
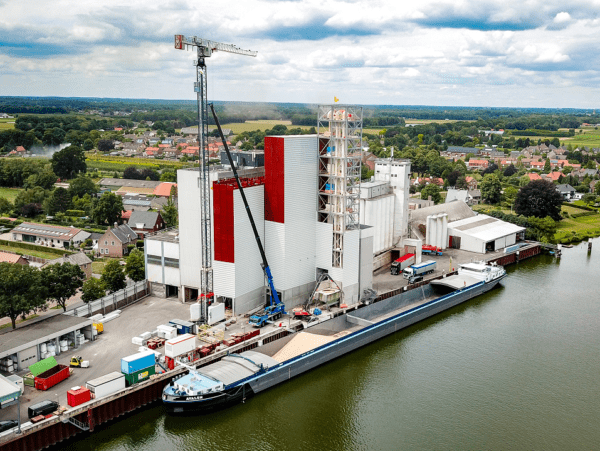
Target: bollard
column 589, row 245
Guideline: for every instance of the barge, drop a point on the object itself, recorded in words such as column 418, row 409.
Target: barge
column 237, row 377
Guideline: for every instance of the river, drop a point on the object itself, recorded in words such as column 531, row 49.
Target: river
column 517, row 368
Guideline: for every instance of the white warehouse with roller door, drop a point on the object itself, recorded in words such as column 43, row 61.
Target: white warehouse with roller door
column 483, row 234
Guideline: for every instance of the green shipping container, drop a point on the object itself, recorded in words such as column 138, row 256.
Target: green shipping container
column 139, row 376
column 28, row 379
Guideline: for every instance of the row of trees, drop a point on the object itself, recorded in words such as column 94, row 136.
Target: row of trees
column 26, row 289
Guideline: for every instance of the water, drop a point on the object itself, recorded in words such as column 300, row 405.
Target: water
column 517, row 368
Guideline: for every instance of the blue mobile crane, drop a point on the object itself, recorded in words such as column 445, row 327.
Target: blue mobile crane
column 275, row 308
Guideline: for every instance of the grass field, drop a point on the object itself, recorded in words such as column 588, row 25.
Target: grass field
column 6, row 124
column 33, row 253
column 589, row 137
column 10, row 193
column 250, row 126
column 98, row 267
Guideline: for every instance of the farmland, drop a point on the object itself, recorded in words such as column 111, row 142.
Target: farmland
column 6, row 124
column 588, row 136
column 250, row 126
column 107, row 163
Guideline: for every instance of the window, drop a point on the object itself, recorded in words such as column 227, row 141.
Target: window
column 156, row 260
column 106, row 251
column 112, row 243
column 105, row 242
column 102, row 251
column 172, row 262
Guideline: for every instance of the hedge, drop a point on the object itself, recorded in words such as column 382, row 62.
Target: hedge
column 33, row 247
column 585, row 213
column 581, row 207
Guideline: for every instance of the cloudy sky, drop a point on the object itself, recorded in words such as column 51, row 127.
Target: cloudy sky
column 514, row 53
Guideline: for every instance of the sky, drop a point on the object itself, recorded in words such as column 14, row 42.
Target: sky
column 510, row 53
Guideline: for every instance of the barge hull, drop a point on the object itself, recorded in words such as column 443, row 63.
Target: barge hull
column 369, row 334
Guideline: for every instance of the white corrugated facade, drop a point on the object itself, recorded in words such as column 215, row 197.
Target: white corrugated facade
column 378, row 213
column 478, row 232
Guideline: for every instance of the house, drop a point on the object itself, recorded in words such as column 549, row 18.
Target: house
column 142, row 222
column 8, row 257
column 49, row 235
column 567, row 191
column 537, row 165
column 20, row 150
column 477, row 164
column 554, row 176
column 533, row 176
column 78, row 258
column 471, row 182
column 164, row 189
column 470, row 197
column 115, row 240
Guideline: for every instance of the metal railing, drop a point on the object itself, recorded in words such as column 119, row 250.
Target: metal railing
column 113, row 301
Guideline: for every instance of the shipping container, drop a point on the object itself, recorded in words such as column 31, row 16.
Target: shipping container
column 180, row 345
column 78, row 395
column 183, row 327
column 29, row 379
column 216, row 313
column 42, row 366
column 139, row 376
column 106, row 385
column 136, row 362
column 52, row 377
column 40, row 409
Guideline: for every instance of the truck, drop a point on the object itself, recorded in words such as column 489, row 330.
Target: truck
column 402, row 263
column 431, row 250
column 270, row 313
column 420, row 270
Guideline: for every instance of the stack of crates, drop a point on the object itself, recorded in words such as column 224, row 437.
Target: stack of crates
column 138, row 367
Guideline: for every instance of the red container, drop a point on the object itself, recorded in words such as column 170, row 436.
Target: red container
column 170, row 362
column 79, row 396
column 52, row 377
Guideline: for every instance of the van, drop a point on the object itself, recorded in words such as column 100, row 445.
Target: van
column 42, row 408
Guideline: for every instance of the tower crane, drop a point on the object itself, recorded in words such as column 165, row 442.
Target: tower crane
column 205, row 49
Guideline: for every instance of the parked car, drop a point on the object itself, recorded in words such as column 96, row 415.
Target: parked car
column 416, row 278
column 8, row 424
column 42, row 408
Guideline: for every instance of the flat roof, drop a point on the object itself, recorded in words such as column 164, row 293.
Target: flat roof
column 485, row 227
column 169, row 235
column 25, row 337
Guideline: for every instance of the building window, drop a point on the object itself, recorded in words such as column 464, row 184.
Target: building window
column 101, row 251
column 106, row 251
column 112, row 243
column 156, row 260
column 105, row 242
column 172, row 262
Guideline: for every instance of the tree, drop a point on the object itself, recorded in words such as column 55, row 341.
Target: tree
column 543, row 228
column 62, row 282
column 510, row 194
column 453, row 177
column 461, row 183
column 88, row 144
column 170, row 176
column 490, row 169
column 45, row 179
column 21, row 291
column 151, row 174
column 131, row 173
column 5, row 205
column 510, row 170
column 491, row 189
column 589, row 198
column 547, row 166
column 169, row 213
column 134, row 266
column 107, row 209
column 105, row 145
column 59, row 200
column 68, row 162
column 539, row 198
column 82, row 185
column 92, row 289
column 113, row 277
column 431, row 190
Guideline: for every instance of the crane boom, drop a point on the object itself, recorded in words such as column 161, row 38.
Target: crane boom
column 212, row 46
column 204, row 49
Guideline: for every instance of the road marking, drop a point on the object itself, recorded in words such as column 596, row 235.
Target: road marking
column 150, row 305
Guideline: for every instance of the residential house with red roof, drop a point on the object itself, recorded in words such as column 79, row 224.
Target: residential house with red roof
column 477, row 164
column 164, row 189
column 8, row 257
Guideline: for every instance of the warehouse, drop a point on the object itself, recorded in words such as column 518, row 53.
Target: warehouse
column 483, row 234
column 27, row 345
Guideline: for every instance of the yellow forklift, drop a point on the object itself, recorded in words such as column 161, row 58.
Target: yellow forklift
column 78, row 362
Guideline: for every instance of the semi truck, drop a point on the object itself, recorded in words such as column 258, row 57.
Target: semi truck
column 402, row 263
column 419, row 270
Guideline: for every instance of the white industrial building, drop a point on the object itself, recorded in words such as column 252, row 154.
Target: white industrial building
column 483, row 234
column 311, row 212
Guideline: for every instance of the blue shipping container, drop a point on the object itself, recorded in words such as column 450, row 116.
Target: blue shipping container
column 137, row 362
column 183, row 327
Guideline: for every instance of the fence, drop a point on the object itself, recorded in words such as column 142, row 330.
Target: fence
column 113, row 301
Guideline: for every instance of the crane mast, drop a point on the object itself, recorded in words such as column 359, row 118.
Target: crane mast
column 204, row 49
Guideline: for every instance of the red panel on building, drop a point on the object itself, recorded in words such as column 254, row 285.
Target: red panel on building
column 274, row 179
column 223, row 216
column 223, row 221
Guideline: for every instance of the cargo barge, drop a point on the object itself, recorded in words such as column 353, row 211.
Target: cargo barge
column 237, row 377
